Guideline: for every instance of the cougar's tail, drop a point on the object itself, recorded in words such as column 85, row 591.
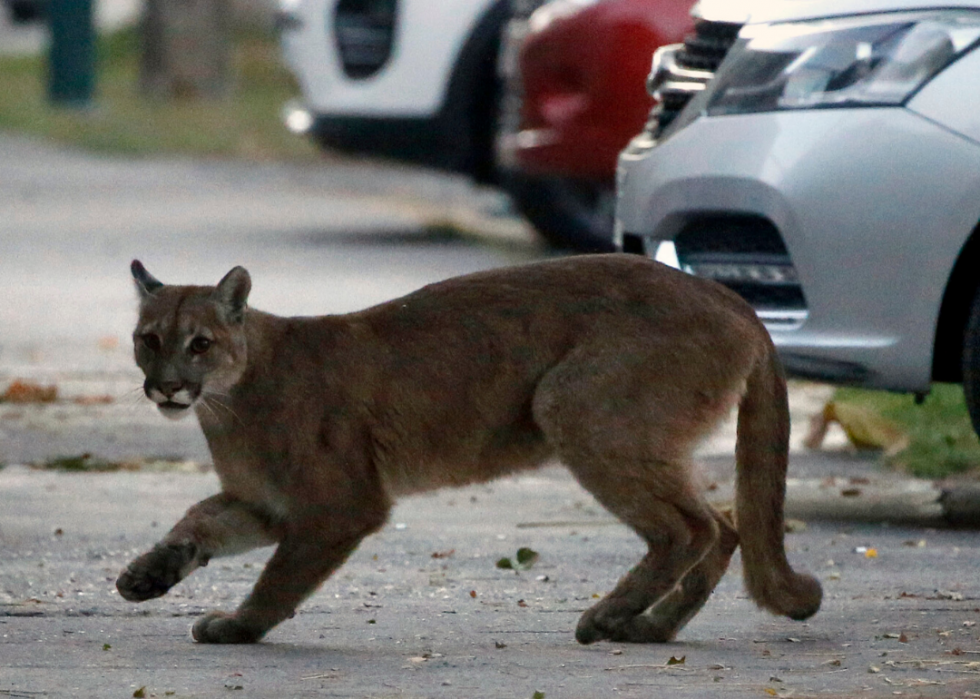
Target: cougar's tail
column 761, row 457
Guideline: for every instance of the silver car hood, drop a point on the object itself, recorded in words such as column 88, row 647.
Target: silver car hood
column 762, row 11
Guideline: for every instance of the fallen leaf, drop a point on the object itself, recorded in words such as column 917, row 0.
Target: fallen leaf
column 473, row 594
column 902, row 638
column 444, row 554
column 521, row 603
column 871, row 553
column 771, row 692
column 82, row 462
column 677, row 661
column 794, row 526
column 850, row 492
column 498, row 645
column 865, row 429
column 505, row 564
column 106, row 646
column 537, row 695
column 93, row 400
column 526, row 557
column 28, row 392
column 140, row 693
column 874, row 670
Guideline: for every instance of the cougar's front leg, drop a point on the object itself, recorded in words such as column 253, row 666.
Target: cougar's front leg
column 308, row 553
column 218, row 526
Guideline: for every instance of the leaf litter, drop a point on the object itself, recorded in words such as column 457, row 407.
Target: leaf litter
column 90, row 463
column 525, row 558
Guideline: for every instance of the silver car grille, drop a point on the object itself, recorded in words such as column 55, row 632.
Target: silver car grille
column 744, row 253
column 682, row 70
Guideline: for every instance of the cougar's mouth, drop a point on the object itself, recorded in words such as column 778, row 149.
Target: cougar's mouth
column 174, row 406
column 172, row 409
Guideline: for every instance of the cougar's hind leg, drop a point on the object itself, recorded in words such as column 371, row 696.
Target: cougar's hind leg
column 679, row 530
column 671, row 614
column 627, row 438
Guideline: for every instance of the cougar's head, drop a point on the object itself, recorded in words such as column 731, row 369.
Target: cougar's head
column 190, row 340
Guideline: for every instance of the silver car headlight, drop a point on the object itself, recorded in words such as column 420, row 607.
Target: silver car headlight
column 871, row 60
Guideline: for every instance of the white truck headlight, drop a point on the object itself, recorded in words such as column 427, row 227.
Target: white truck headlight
column 870, row 60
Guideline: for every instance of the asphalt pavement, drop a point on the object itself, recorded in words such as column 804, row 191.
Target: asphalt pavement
column 421, row 609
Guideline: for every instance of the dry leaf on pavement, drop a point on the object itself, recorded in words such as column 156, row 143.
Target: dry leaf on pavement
column 28, row 392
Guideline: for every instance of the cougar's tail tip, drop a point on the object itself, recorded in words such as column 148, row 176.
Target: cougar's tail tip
column 809, row 595
column 798, row 597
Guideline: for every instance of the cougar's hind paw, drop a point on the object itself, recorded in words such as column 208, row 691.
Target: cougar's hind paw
column 221, row 627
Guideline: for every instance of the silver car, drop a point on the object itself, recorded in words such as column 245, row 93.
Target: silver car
column 822, row 158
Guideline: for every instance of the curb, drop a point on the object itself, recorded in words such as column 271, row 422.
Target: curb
column 907, row 501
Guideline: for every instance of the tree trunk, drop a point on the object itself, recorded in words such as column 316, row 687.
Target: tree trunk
column 186, row 49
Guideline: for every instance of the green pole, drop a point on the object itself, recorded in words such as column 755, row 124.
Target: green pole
column 71, row 59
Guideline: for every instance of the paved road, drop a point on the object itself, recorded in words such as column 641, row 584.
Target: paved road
column 400, row 618
column 395, row 621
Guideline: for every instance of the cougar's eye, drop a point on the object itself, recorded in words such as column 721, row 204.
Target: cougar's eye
column 152, row 342
column 200, row 345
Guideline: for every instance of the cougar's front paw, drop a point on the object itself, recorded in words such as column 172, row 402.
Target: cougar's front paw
column 220, row 627
column 154, row 573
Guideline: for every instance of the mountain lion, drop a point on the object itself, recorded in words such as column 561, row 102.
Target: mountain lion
column 615, row 364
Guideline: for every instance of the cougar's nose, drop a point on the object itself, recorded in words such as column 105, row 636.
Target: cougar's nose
column 167, row 388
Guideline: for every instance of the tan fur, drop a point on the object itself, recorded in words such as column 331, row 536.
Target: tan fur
column 615, row 364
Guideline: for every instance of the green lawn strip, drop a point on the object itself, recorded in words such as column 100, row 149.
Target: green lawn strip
column 245, row 124
column 942, row 439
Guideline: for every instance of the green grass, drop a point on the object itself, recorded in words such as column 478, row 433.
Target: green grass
column 942, row 439
column 245, row 124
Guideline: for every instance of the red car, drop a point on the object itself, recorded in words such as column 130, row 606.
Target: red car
column 575, row 79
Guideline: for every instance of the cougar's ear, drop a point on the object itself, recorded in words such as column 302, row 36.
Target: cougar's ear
column 232, row 293
column 146, row 283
